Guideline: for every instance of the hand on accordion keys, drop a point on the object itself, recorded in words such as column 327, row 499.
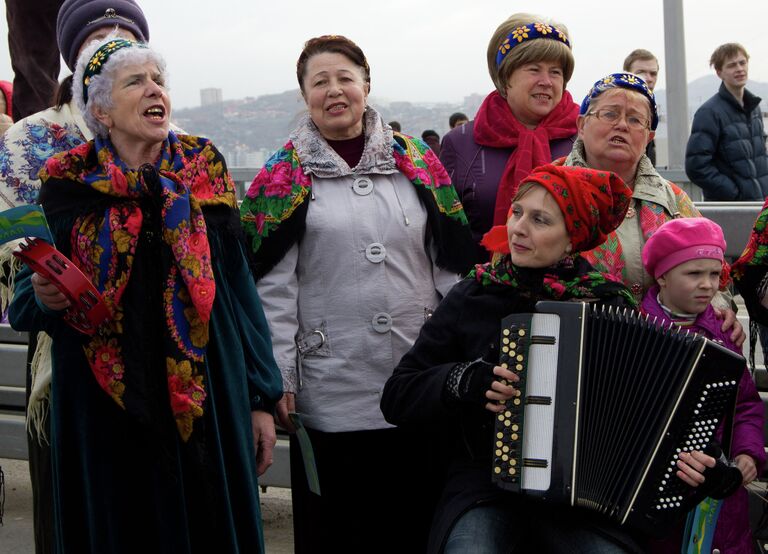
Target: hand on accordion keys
column 718, row 476
column 480, row 382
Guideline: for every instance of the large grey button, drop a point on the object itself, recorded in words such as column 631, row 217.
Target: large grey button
column 362, row 186
column 382, row 322
column 375, row 252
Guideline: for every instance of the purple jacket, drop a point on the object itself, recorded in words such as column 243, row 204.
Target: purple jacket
column 475, row 172
column 733, row 535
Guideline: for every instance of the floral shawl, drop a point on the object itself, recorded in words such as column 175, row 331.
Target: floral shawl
column 188, row 176
column 571, row 278
column 275, row 207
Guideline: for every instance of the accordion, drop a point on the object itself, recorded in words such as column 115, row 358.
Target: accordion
column 607, row 401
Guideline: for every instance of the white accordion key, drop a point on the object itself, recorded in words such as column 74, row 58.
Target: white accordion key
column 538, row 431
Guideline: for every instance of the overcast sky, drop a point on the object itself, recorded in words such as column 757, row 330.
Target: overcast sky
column 425, row 50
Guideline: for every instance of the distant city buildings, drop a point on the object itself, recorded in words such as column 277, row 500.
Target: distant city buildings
column 210, row 96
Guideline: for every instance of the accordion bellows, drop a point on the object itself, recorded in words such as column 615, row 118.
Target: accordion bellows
column 607, row 402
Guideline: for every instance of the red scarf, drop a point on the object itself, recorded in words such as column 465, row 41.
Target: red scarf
column 497, row 127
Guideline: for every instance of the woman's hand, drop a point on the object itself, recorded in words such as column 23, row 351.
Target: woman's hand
column 747, row 466
column 738, row 336
column 264, row 439
column 691, row 466
column 499, row 392
column 48, row 294
column 285, row 406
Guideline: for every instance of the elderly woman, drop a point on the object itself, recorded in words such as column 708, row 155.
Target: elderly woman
column 529, row 120
column 617, row 119
column 161, row 420
column 450, row 379
column 357, row 233
column 24, row 149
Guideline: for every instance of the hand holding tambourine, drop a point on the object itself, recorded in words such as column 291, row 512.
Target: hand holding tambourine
column 84, row 307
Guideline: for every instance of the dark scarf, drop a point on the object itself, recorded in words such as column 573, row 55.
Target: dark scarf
column 188, row 175
column 570, row 279
column 497, row 127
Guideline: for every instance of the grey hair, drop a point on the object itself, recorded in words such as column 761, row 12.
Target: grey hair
column 100, row 87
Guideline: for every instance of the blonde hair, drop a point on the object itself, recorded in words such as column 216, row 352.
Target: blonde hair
column 530, row 51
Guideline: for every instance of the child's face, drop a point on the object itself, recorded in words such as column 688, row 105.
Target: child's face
column 689, row 287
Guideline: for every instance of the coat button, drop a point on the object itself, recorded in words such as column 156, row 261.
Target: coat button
column 362, row 186
column 382, row 322
column 375, row 252
column 637, row 289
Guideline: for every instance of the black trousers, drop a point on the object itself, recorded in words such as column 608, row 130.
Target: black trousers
column 379, row 490
column 34, row 54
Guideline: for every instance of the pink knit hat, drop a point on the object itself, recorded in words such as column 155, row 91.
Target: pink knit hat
column 681, row 240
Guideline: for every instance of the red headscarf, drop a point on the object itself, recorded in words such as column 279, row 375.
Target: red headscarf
column 593, row 204
column 496, row 126
column 7, row 89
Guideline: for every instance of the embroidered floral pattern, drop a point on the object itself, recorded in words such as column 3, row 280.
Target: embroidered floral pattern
column 524, row 33
column 560, row 282
column 24, row 149
column 282, row 185
column 190, row 174
column 621, row 80
column 756, row 251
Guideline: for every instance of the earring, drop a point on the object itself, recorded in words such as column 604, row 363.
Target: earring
column 568, row 249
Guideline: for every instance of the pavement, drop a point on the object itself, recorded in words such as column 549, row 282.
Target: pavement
column 16, row 534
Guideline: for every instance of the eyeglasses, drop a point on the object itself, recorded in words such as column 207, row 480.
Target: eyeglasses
column 611, row 116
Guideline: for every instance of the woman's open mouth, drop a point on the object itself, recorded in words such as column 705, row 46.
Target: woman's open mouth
column 155, row 113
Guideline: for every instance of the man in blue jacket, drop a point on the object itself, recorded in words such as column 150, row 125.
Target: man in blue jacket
column 726, row 153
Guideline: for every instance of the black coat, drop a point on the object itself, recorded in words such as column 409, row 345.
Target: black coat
column 726, row 153
column 465, row 326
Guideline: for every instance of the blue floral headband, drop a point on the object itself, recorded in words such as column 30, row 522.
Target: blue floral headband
column 529, row 31
column 622, row 80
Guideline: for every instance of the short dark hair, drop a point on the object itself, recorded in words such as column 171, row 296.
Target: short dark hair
column 455, row 117
column 336, row 44
column 429, row 133
column 395, row 126
column 641, row 54
column 725, row 51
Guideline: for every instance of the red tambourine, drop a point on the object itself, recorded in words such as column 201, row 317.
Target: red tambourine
column 87, row 310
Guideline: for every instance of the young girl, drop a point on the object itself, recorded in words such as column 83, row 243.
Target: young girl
column 685, row 257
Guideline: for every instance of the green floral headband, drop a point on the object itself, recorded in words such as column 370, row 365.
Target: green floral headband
column 100, row 57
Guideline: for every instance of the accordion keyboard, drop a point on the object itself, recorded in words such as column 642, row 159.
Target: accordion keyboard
column 524, row 430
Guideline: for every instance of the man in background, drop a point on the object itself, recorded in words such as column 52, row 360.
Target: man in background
column 457, row 119
column 644, row 64
column 726, row 153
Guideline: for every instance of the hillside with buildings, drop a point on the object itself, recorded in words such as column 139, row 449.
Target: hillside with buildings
column 250, row 129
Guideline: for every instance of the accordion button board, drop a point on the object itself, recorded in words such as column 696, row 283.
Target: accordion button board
column 607, row 402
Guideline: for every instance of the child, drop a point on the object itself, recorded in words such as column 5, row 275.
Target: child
column 685, row 257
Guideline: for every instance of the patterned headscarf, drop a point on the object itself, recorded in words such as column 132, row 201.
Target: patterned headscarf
column 593, row 204
column 622, row 80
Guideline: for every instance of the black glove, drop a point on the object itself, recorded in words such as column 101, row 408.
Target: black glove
column 725, row 478
column 468, row 381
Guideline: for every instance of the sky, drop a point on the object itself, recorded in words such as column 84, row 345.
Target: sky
column 419, row 51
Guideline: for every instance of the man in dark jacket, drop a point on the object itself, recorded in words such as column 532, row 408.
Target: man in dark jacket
column 726, row 153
